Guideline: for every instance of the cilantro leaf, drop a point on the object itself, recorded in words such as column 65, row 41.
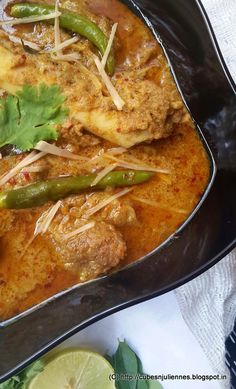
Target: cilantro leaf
column 31, row 116
column 21, row 380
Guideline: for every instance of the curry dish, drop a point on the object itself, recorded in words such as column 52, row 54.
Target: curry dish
column 100, row 161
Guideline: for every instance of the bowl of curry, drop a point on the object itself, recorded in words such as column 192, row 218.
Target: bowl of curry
column 108, row 161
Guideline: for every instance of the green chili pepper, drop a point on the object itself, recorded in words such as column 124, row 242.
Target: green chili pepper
column 40, row 193
column 70, row 21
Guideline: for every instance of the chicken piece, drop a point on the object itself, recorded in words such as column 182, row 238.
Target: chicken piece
column 150, row 111
column 151, row 107
column 91, row 253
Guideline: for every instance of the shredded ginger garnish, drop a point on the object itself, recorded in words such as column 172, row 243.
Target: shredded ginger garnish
column 34, row 169
column 71, row 57
column 54, row 150
column 57, row 51
column 32, row 157
column 105, row 202
column 57, row 34
column 42, row 225
column 155, row 204
column 117, row 100
column 46, row 218
column 117, row 151
column 103, row 174
column 135, row 166
column 63, row 45
column 30, row 19
column 80, row 230
column 109, row 45
column 32, row 45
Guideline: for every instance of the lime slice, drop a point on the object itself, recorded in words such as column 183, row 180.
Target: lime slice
column 75, row 369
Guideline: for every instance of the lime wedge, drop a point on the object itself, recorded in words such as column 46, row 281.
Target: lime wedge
column 75, row 369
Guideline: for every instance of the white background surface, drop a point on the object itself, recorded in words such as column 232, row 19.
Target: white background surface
column 157, row 333
column 155, row 329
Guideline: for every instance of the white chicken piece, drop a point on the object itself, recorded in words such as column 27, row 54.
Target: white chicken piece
column 151, row 108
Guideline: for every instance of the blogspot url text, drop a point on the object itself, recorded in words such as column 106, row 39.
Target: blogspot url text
column 166, row 377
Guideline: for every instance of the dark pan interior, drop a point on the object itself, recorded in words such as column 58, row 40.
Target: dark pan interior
column 209, row 94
